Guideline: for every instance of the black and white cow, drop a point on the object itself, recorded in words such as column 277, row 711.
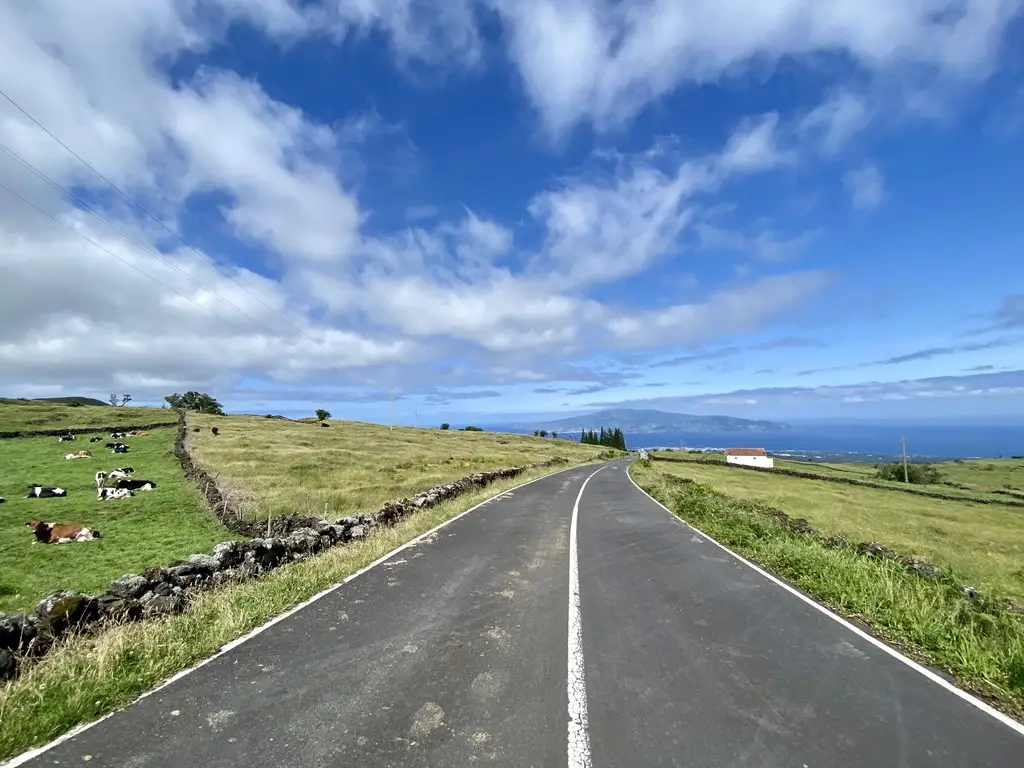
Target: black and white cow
column 37, row 491
column 118, row 435
column 118, row 447
column 65, row 438
column 132, row 484
column 112, row 494
column 95, row 439
column 114, row 474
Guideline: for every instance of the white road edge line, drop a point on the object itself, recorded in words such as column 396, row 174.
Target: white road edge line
column 579, row 735
column 24, row 757
column 970, row 699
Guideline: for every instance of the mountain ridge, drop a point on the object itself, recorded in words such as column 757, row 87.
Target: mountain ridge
column 649, row 421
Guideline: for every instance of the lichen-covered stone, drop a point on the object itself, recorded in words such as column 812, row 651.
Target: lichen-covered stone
column 128, row 586
column 876, row 550
column 16, row 631
column 65, row 610
column 921, row 567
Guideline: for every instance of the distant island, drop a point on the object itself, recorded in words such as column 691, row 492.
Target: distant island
column 650, row 422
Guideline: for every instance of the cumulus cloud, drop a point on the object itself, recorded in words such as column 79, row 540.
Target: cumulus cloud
column 302, row 290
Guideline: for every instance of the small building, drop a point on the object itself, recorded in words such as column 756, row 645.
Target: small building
column 750, row 457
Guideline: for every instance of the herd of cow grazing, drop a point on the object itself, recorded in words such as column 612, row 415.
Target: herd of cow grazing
column 124, row 486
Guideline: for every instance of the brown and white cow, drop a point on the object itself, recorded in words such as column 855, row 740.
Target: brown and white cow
column 78, row 455
column 61, row 533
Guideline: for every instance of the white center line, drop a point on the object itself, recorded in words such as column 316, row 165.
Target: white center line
column 579, row 736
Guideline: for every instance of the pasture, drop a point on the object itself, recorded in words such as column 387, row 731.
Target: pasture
column 150, row 528
column 984, row 543
column 995, row 479
column 275, row 467
column 30, row 415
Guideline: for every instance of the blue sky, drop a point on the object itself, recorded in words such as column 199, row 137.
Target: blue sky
column 780, row 209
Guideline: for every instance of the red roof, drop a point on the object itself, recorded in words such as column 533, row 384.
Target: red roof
column 745, row 452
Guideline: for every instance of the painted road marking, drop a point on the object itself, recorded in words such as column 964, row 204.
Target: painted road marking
column 579, row 736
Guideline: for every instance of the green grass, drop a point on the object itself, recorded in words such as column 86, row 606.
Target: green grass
column 991, row 479
column 151, row 528
column 280, row 467
column 981, row 644
column 983, row 542
column 31, row 415
column 89, row 677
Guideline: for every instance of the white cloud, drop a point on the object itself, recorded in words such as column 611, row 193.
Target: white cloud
column 753, row 147
column 866, row 186
column 603, row 61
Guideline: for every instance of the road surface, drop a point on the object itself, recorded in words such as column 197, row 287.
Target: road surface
column 463, row 650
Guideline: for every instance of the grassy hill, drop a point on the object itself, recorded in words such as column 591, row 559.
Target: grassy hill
column 280, row 467
column 30, row 415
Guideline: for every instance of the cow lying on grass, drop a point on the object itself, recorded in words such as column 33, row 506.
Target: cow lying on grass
column 77, row 455
column 61, row 533
column 132, row 484
column 37, row 491
column 114, row 474
column 112, row 494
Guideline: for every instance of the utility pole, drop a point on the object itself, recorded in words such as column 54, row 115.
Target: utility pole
column 906, row 476
column 391, row 409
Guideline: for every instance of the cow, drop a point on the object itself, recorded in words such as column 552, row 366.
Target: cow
column 195, row 429
column 135, row 485
column 61, row 533
column 2, row 499
column 118, row 435
column 117, row 447
column 102, row 477
column 95, row 439
column 37, row 491
column 214, row 430
column 324, row 424
column 65, row 438
column 112, row 494
column 137, row 433
column 78, row 455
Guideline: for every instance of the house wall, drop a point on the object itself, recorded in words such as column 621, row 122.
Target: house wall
column 766, row 462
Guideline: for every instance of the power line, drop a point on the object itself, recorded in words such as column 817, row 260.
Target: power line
column 174, row 234
column 156, row 254
column 106, row 250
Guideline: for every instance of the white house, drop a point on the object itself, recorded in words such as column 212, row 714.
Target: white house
column 750, row 457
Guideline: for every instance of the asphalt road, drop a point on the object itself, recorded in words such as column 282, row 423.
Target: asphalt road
column 462, row 650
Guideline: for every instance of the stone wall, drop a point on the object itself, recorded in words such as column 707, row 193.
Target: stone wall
column 166, row 589
column 843, row 481
column 83, row 430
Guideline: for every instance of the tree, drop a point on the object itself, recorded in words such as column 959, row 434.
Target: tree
column 612, row 438
column 472, row 429
column 200, row 402
column 322, row 414
column 543, row 433
column 446, row 425
column 536, row 433
column 554, row 435
column 112, row 399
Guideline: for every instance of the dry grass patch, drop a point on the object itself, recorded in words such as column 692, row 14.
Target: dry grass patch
column 982, row 542
column 87, row 678
column 293, row 467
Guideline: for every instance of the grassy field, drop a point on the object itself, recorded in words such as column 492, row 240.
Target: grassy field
column 983, row 542
column 150, row 528
column 89, row 677
column 280, row 467
column 981, row 644
column 994, row 479
column 29, row 415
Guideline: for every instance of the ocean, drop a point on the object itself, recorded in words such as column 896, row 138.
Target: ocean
column 855, row 442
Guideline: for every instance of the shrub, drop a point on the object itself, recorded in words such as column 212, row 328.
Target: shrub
column 917, row 474
column 322, row 414
column 446, row 425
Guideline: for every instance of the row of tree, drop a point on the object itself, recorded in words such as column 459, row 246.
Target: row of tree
column 612, row 438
